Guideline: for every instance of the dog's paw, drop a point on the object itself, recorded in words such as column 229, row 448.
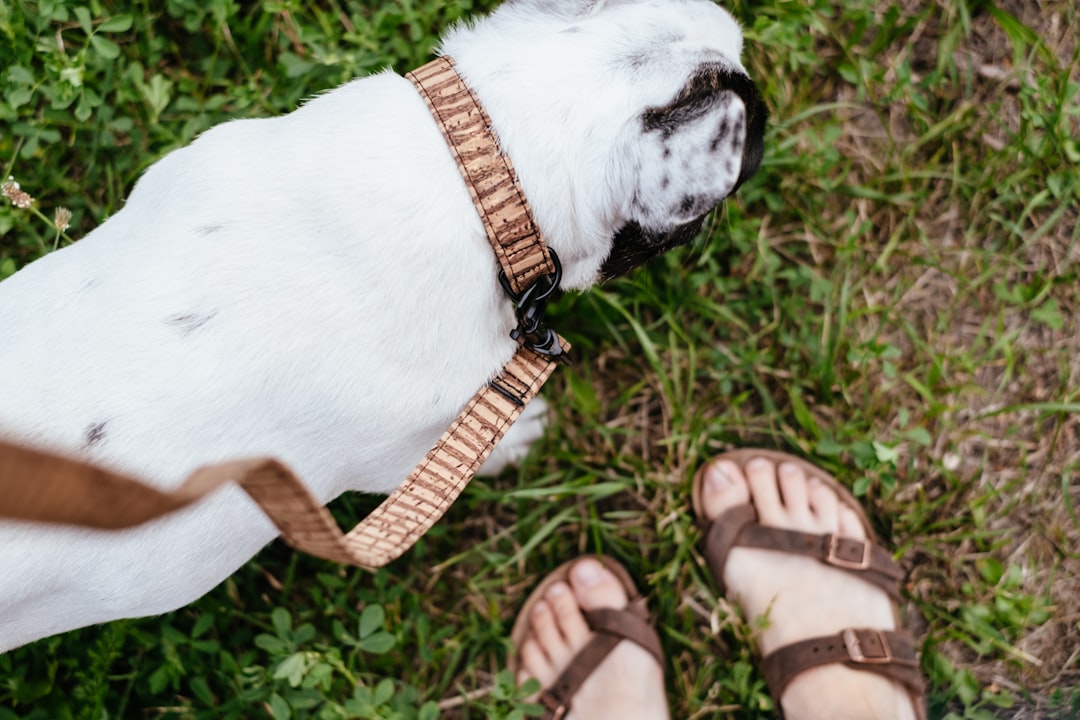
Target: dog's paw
column 518, row 439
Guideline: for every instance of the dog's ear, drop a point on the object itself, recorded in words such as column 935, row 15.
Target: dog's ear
column 690, row 154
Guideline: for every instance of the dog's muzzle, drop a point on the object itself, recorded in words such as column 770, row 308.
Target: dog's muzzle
column 634, row 245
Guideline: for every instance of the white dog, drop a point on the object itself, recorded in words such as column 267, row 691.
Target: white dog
column 318, row 288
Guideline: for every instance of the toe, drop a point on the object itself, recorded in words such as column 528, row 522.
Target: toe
column 850, row 524
column 567, row 612
column 824, row 505
column 765, row 492
column 535, row 663
column 794, row 493
column 627, row 682
column 595, row 586
column 546, row 630
column 723, row 487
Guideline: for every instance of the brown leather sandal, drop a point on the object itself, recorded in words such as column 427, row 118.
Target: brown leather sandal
column 610, row 627
column 888, row 653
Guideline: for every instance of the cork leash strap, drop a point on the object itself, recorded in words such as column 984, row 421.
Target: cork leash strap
column 40, row 486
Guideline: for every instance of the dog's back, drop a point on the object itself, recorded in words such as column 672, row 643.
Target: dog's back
column 261, row 291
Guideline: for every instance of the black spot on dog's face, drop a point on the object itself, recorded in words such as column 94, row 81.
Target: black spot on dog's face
column 94, row 434
column 633, row 246
column 638, row 59
column 188, row 323
column 656, row 53
column 720, row 137
column 691, row 104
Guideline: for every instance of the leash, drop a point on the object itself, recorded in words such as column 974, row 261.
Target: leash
column 40, row 486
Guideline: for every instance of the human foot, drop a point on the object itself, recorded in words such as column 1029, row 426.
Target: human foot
column 585, row 608
column 801, row 596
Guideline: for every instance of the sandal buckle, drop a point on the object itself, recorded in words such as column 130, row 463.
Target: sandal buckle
column 855, row 642
column 553, row 705
column 832, row 556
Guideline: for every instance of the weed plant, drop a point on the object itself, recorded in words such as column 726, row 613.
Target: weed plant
column 893, row 296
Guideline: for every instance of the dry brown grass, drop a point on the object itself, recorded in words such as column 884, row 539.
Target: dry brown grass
column 993, row 384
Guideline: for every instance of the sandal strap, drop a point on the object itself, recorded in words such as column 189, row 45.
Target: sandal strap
column 890, row 653
column 721, row 536
column 738, row 527
column 627, row 625
column 610, row 627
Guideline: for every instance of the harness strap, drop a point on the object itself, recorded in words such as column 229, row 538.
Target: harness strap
column 489, row 175
column 40, row 486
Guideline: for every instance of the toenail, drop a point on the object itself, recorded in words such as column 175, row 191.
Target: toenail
column 787, row 469
column 557, row 589
column 758, row 464
column 540, row 608
column 717, row 478
column 587, row 572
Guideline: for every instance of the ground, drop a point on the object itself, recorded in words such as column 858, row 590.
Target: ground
column 893, row 296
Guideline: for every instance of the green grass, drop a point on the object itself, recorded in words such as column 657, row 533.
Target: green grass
column 894, row 296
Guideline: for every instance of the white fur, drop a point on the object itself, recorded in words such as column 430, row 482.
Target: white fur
column 317, row 287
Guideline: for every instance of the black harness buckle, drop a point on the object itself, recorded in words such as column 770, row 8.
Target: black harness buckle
column 529, row 308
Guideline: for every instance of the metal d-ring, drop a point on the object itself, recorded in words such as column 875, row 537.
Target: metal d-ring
column 529, row 307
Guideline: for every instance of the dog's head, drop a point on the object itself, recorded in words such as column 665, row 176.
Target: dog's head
column 699, row 149
column 627, row 120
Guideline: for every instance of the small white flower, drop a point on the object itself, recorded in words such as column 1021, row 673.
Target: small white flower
column 62, row 218
column 18, row 197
